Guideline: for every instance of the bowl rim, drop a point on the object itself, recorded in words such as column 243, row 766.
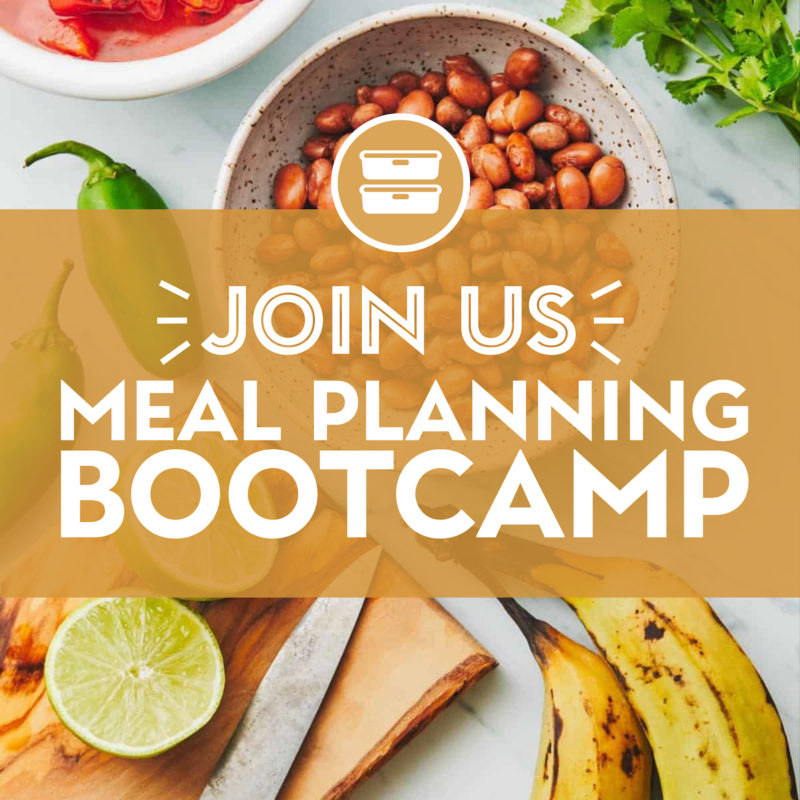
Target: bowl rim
column 589, row 61
column 149, row 77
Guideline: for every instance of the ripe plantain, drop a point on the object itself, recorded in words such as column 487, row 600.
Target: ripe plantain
column 713, row 727
column 592, row 746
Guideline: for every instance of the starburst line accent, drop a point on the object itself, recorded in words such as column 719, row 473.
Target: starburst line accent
column 176, row 352
column 606, row 289
column 609, row 320
column 177, row 320
column 174, row 290
column 604, row 351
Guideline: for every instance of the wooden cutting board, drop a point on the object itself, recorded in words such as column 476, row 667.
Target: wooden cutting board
column 406, row 661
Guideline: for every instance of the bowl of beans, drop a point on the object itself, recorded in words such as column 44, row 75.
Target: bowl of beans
column 408, row 56
column 544, row 126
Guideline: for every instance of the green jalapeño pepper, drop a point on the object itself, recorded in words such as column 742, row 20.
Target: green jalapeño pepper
column 136, row 261
column 30, row 403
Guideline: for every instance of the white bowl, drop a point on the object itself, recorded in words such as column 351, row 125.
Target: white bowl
column 417, row 38
column 131, row 80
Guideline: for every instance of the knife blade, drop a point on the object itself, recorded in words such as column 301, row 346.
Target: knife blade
column 265, row 744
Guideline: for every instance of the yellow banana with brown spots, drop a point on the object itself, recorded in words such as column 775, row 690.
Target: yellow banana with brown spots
column 713, row 727
column 592, row 746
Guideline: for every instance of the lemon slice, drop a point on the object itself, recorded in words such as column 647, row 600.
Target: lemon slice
column 222, row 560
column 134, row 676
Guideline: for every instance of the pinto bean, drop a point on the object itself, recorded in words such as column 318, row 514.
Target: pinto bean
column 563, row 377
column 525, row 110
column 606, row 180
column 325, row 197
column 520, row 268
column 435, row 84
column 276, row 248
column 501, row 140
column 611, row 250
column 387, row 97
column 496, row 113
column 579, row 154
column 513, row 112
column 533, row 190
column 330, row 258
column 521, row 157
column 364, row 114
column 499, row 84
column 523, row 67
column 309, row 234
column 319, row 147
column 443, row 312
column 463, row 62
column 290, row 187
column 335, row 118
column 452, row 270
column 481, row 194
column 468, row 89
column 402, row 394
column 363, row 94
column 405, row 81
column 573, row 188
column 511, row 198
column 548, row 136
column 474, row 133
column 543, row 168
column 450, row 115
column 490, row 162
column 573, row 122
column 625, row 303
column 418, row 102
column 316, row 173
column 550, row 193
column 338, row 146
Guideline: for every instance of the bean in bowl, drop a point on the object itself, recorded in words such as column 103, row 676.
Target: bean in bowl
column 523, row 152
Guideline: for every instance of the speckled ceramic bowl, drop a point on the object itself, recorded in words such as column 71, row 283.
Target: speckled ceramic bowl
column 418, row 38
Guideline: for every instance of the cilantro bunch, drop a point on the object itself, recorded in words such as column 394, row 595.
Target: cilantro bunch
column 747, row 48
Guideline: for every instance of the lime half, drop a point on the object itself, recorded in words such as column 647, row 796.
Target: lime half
column 134, row 676
column 221, row 561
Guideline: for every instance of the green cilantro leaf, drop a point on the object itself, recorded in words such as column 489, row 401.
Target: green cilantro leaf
column 578, row 16
column 689, row 91
column 744, row 47
column 628, row 23
column 744, row 111
column 744, row 15
column 663, row 53
column 782, row 71
column 750, row 83
column 656, row 11
column 747, row 43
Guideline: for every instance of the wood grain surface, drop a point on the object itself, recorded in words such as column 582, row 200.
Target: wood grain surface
column 408, row 658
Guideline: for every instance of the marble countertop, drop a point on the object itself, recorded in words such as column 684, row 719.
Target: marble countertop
column 486, row 744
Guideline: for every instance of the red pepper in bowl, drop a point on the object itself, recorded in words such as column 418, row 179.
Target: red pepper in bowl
column 151, row 9
column 203, row 6
column 69, row 36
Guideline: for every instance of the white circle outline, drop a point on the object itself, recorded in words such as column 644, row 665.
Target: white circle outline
column 401, row 248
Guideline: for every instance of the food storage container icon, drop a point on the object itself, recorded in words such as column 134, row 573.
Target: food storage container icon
column 414, row 199
column 400, row 165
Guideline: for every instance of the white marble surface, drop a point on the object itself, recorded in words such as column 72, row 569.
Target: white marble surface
column 180, row 140
column 485, row 745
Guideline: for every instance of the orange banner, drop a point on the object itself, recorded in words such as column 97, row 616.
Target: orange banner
column 544, row 403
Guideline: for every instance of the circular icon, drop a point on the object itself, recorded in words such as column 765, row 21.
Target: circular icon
column 400, row 182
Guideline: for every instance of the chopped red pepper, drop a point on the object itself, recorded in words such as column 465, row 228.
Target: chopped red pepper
column 152, row 9
column 204, row 6
column 69, row 36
